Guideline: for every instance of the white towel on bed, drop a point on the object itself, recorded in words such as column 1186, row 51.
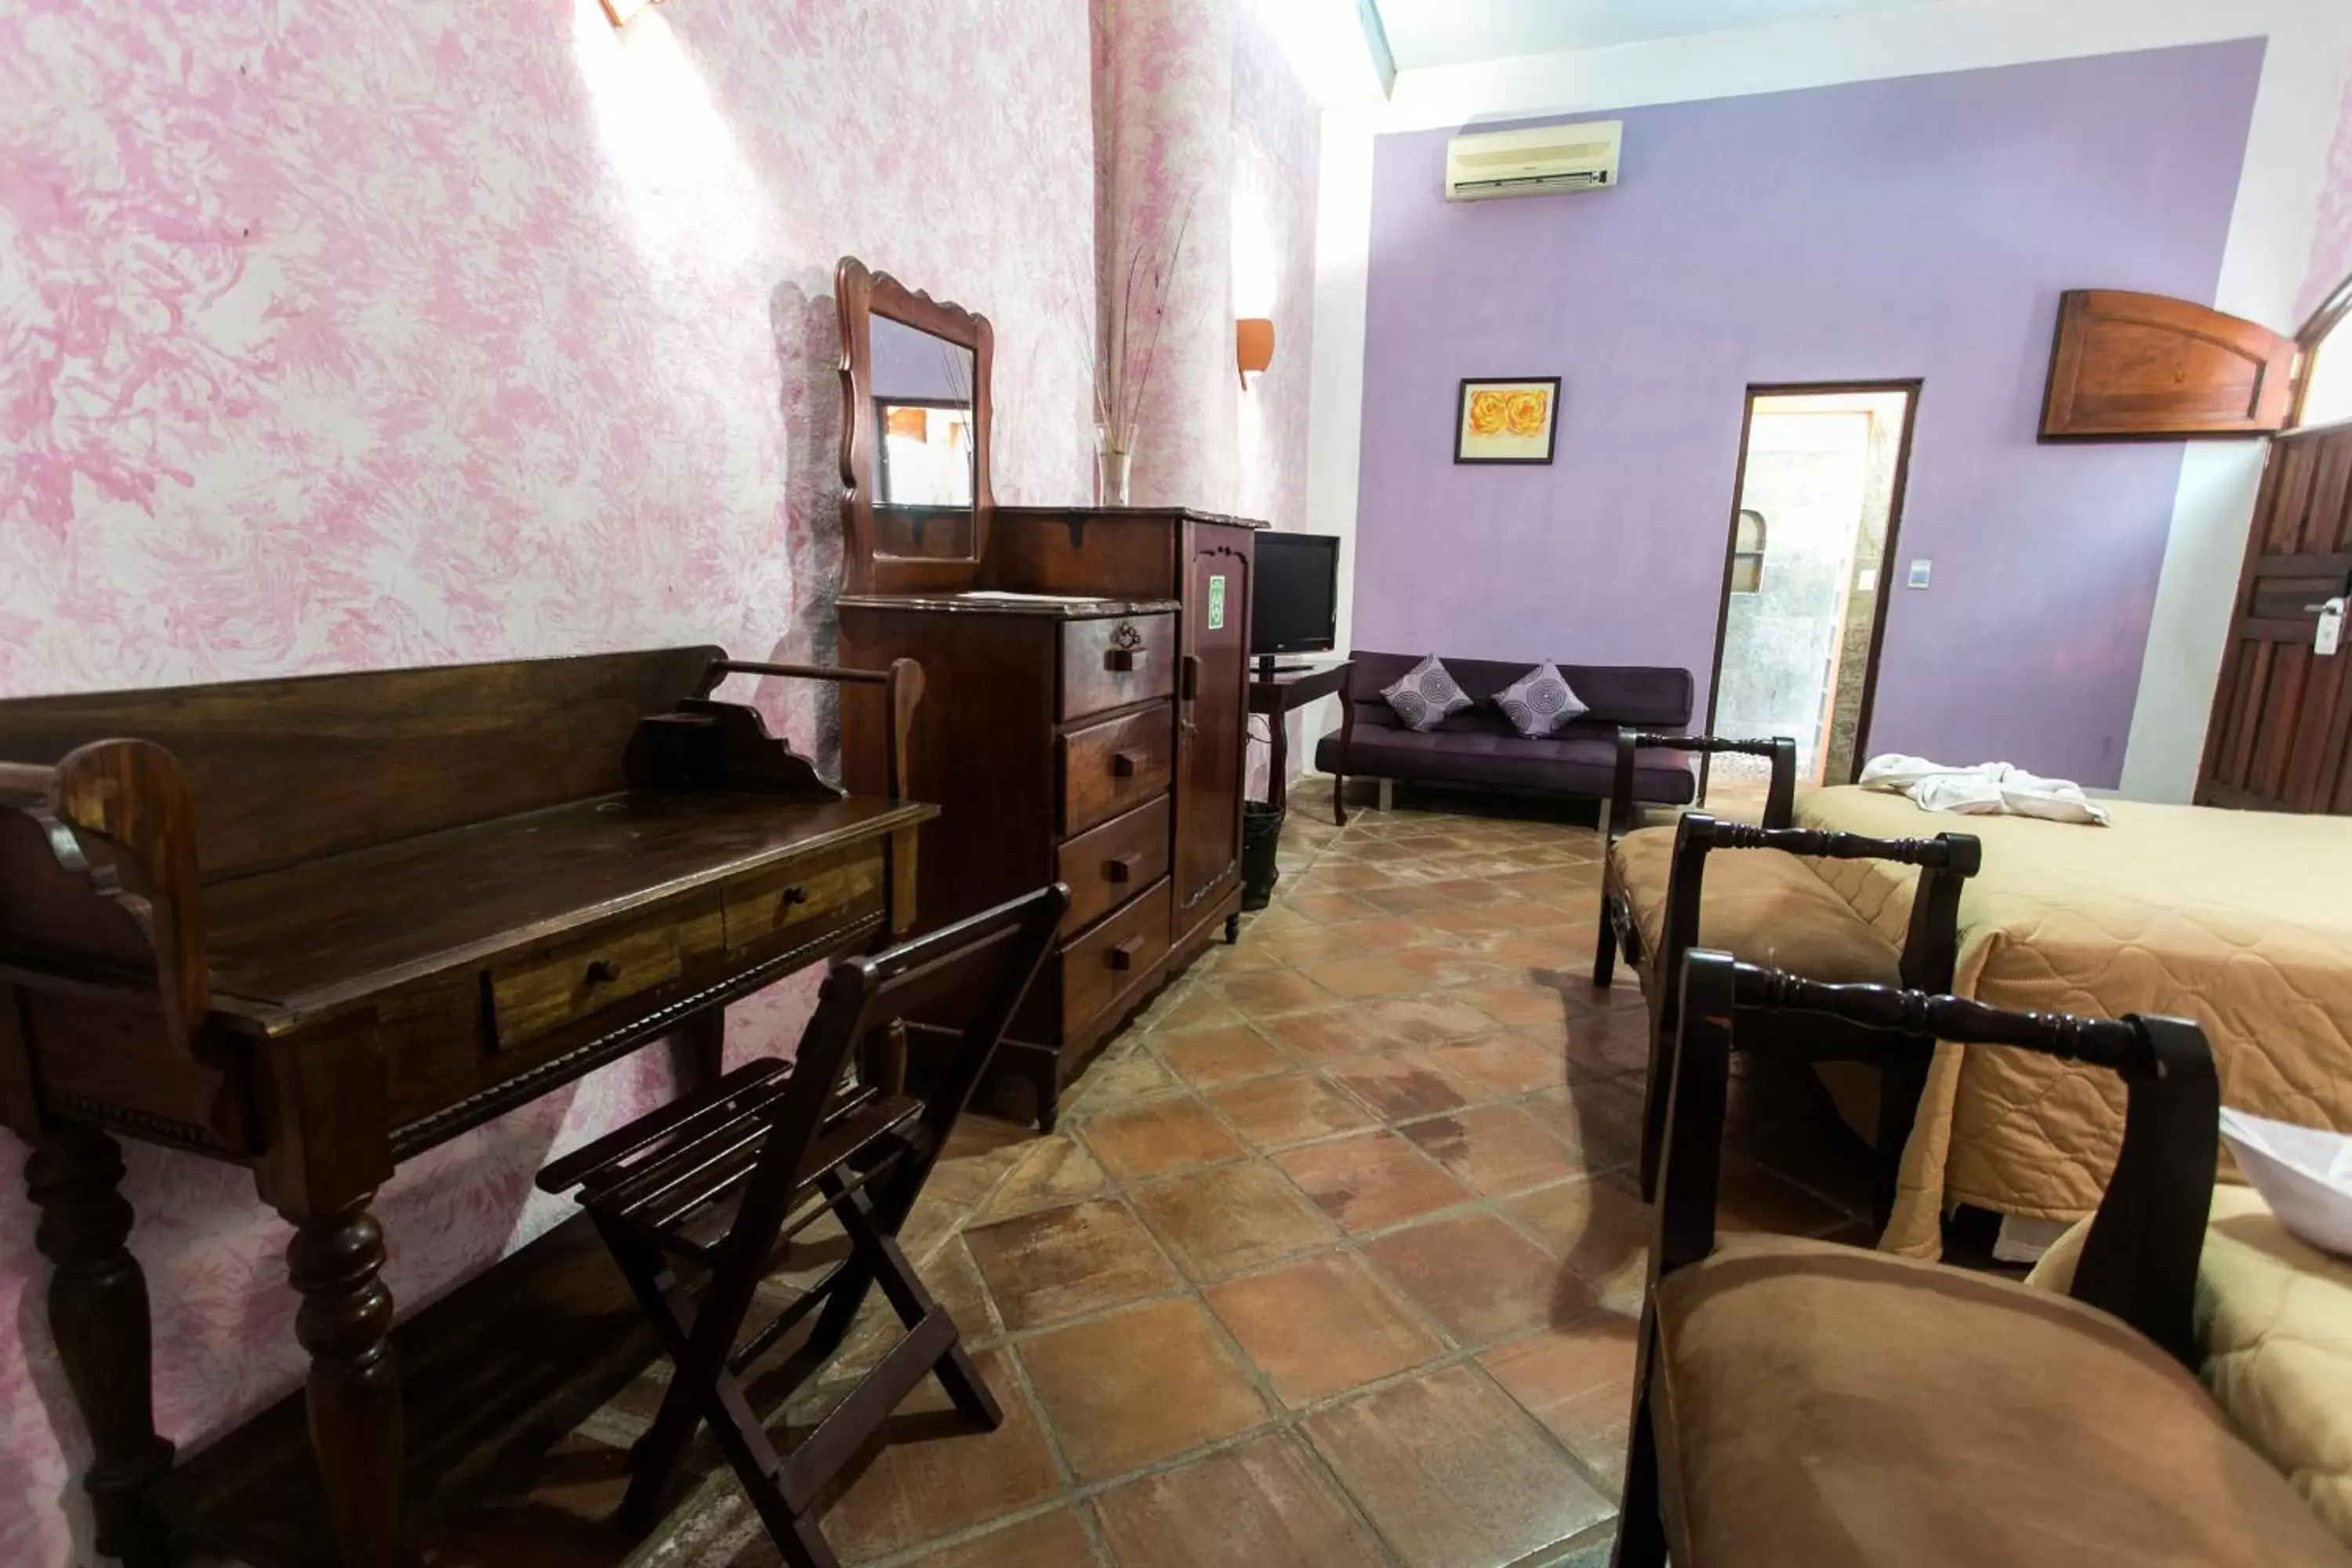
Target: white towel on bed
column 1984, row 790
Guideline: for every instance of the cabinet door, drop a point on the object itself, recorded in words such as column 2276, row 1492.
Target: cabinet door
column 1211, row 713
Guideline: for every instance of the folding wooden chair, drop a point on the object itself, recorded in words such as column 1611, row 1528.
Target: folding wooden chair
column 716, row 1184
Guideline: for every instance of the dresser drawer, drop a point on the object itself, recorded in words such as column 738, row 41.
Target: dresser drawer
column 806, row 895
column 1117, row 661
column 1109, row 960
column 1119, row 763
column 1109, row 865
column 533, row 995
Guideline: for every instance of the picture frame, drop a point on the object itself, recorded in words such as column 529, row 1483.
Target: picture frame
column 1517, row 419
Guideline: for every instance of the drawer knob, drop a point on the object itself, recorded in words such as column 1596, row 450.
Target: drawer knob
column 1122, row 764
column 1123, row 868
column 1123, row 956
column 790, row 897
column 602, row 971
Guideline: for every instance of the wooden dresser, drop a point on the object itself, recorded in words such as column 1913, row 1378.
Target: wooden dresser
column 1086, row 672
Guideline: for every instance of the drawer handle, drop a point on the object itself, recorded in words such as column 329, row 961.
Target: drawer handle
column 1123, row 956
column 1122, row 764
column 1122, row 869
column 601, row 971
column 790, row 897
column 1120, row 660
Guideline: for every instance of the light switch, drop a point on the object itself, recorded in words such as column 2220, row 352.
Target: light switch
column 1918, row 578
column 1866, row 580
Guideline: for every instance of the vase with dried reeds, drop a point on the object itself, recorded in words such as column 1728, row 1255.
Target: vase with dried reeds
column 1137, row 313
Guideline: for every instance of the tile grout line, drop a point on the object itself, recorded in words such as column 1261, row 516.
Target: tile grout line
column 1150, row 1043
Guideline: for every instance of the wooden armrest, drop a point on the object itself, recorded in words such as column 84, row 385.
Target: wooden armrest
column 902, row 686
column 120, row 830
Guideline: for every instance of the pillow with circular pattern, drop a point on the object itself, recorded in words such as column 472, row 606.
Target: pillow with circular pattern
column 1539, row 703
column 1426, row 696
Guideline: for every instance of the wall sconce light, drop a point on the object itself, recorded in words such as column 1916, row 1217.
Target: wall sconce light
column 620, row 10
column 1253, row 345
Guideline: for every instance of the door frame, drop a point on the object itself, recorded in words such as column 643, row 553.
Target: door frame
column 1913, row 386
column 2332, row 312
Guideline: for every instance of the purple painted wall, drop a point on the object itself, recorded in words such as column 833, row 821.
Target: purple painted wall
column 1922, row 227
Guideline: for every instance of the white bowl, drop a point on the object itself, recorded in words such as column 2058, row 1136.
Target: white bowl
column 2304, row 1174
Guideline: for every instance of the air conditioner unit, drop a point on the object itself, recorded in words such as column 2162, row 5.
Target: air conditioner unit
column 1578, row 157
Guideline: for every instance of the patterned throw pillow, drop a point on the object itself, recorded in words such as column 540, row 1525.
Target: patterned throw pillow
column 1426, row 696
column 1539, row 703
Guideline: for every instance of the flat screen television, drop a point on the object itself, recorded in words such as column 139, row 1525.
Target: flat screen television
column 1295, row 603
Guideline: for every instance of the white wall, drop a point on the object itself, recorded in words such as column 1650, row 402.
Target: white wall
column 2265, row 256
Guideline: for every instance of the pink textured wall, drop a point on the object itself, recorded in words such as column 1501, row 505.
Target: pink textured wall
column 2331, row 243
column 1277, row 150
column 337, row 333
column 1165, row 162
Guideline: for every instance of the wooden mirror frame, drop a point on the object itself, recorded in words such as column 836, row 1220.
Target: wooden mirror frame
column 862, row 294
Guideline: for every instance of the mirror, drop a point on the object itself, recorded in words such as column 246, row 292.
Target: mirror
column 921, row 402
column 914, row 468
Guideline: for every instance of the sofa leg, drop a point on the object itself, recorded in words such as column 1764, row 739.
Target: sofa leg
column 1388, row 795
column 1340, row 800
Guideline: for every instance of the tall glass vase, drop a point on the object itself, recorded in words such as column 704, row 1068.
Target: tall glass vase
column 1112, row 472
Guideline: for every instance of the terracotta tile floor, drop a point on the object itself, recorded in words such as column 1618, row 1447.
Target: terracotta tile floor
column 1331, row 1260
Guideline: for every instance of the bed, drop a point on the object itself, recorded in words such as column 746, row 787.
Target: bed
column 2242, row 921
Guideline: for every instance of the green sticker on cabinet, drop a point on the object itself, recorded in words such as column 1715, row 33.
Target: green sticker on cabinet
column 1216, row 603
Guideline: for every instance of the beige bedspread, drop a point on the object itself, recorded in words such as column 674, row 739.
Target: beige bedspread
column 2242, row 921
column 2274, row 1331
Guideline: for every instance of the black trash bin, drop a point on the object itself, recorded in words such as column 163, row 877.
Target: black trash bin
column 1261, row 835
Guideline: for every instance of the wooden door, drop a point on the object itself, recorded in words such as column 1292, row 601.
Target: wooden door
column 1212, row 714
column 2283, row 710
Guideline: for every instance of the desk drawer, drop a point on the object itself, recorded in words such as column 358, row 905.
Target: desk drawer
column 808, row 895
column 1107, row 963
column 530, row 996
column 1107, row 866
column 1117, row 661
column 1113, row 766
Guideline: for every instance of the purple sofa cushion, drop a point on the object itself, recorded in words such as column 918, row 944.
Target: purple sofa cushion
column 1560, row 765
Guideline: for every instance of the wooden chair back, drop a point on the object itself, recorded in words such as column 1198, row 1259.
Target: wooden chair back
column 1780, row 794
column 277, row 772
column 970, row 977
column 1946, row 862
column 2139, row 1258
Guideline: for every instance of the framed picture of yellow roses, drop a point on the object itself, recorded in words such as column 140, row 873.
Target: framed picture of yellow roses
column 1515, row 421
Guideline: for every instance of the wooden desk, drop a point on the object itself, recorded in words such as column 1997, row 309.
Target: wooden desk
column 1283, row 693
column 317, row 926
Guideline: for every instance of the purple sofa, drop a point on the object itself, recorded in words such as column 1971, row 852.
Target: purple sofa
column 1478, row 746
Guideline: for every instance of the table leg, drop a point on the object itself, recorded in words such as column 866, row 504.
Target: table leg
column 97, row 1313
column 1277, row 777
column 698, row 1051
column 353, row 1396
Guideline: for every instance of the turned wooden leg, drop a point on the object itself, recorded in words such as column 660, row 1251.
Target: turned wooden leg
column 97, row 1313
column 353, row 1395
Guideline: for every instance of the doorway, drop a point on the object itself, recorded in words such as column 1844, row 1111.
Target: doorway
column 1816, row 510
